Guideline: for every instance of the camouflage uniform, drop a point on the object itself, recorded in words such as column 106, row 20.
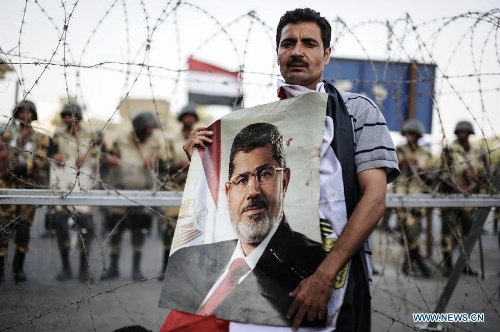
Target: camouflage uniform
column 30, row 148
column 188, row 118
column 70, row 178
column 457, row 222
column 131, row 174
column 7, row 223
column 179, row 176
column 413, row 179
column 177, row 181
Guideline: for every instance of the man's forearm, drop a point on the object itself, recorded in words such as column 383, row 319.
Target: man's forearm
column 360, row 225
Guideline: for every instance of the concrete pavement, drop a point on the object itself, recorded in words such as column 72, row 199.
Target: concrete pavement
column 44, row 304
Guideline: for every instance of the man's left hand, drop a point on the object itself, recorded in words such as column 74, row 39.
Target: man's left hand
column 311, row 299
column 148, row 162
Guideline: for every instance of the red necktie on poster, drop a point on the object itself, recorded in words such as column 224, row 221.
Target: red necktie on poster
column 237, row 269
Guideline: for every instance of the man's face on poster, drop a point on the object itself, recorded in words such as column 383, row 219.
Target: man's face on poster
column 255, row 193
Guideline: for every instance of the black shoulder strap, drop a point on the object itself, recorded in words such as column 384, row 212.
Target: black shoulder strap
column 343, row 145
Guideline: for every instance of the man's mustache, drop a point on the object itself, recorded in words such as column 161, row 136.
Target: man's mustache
column 297, row 61
column 255, row 203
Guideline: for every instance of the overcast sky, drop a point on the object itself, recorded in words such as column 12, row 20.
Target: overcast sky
column 104, row 35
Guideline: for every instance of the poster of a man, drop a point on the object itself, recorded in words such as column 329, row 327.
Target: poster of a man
column 249, row 276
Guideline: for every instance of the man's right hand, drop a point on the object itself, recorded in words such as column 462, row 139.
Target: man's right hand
column 310, row 299
column 198, row 137
column 58, row 158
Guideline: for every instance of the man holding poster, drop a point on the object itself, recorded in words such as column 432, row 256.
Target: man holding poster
column 357, row 160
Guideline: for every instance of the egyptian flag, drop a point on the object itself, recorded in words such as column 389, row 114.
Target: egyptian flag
column 198, row 211
column 212, row 85
column 204, row 180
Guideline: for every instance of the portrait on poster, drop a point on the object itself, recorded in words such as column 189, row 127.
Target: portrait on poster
column 248, row 227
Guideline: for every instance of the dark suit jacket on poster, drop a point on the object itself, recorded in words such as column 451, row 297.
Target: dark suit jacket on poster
column 262, row 297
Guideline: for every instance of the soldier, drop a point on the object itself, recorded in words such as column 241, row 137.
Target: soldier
column 187, row 117
column 414, row 163
column 7, row 212
column 135, row 162
column 462, row 168
column 29, row 168
column 75, row 154
column 101, row 212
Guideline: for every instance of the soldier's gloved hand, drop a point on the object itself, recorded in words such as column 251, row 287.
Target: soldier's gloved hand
column 17, row 164
column 79, row 160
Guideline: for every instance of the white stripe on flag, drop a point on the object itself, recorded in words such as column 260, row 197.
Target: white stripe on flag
column 213, row 84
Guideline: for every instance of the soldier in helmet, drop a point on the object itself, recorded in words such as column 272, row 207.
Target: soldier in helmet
column 136, row 161
column 74, row 169
column 414, row 163
column 187, row 117
column 461, row 171
column 28, row 167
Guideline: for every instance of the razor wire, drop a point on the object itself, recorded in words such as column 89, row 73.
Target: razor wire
column 467, row 76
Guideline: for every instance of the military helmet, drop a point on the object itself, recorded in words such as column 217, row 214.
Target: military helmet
column 143, row 119
column 413, row 126
column 73, row 109
column 26, row 104
column 464, row 126
column 190, row 108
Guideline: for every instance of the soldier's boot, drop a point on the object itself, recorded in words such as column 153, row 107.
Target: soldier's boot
column 406, row 266
column 415, row 255
column 112, row 272
column 65, row 273
column 447, row 264
column 2, row 267
column 84, row 272
column 136, row 270
column 18, row 266
column 166, row 254
column 468, row 270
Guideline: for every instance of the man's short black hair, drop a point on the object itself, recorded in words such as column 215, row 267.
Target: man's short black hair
column 300, row 15
column 258, row 135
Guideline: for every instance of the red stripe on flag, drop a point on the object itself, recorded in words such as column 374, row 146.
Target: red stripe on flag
column 178, row 321
column 211, row 160
column 206, row 67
